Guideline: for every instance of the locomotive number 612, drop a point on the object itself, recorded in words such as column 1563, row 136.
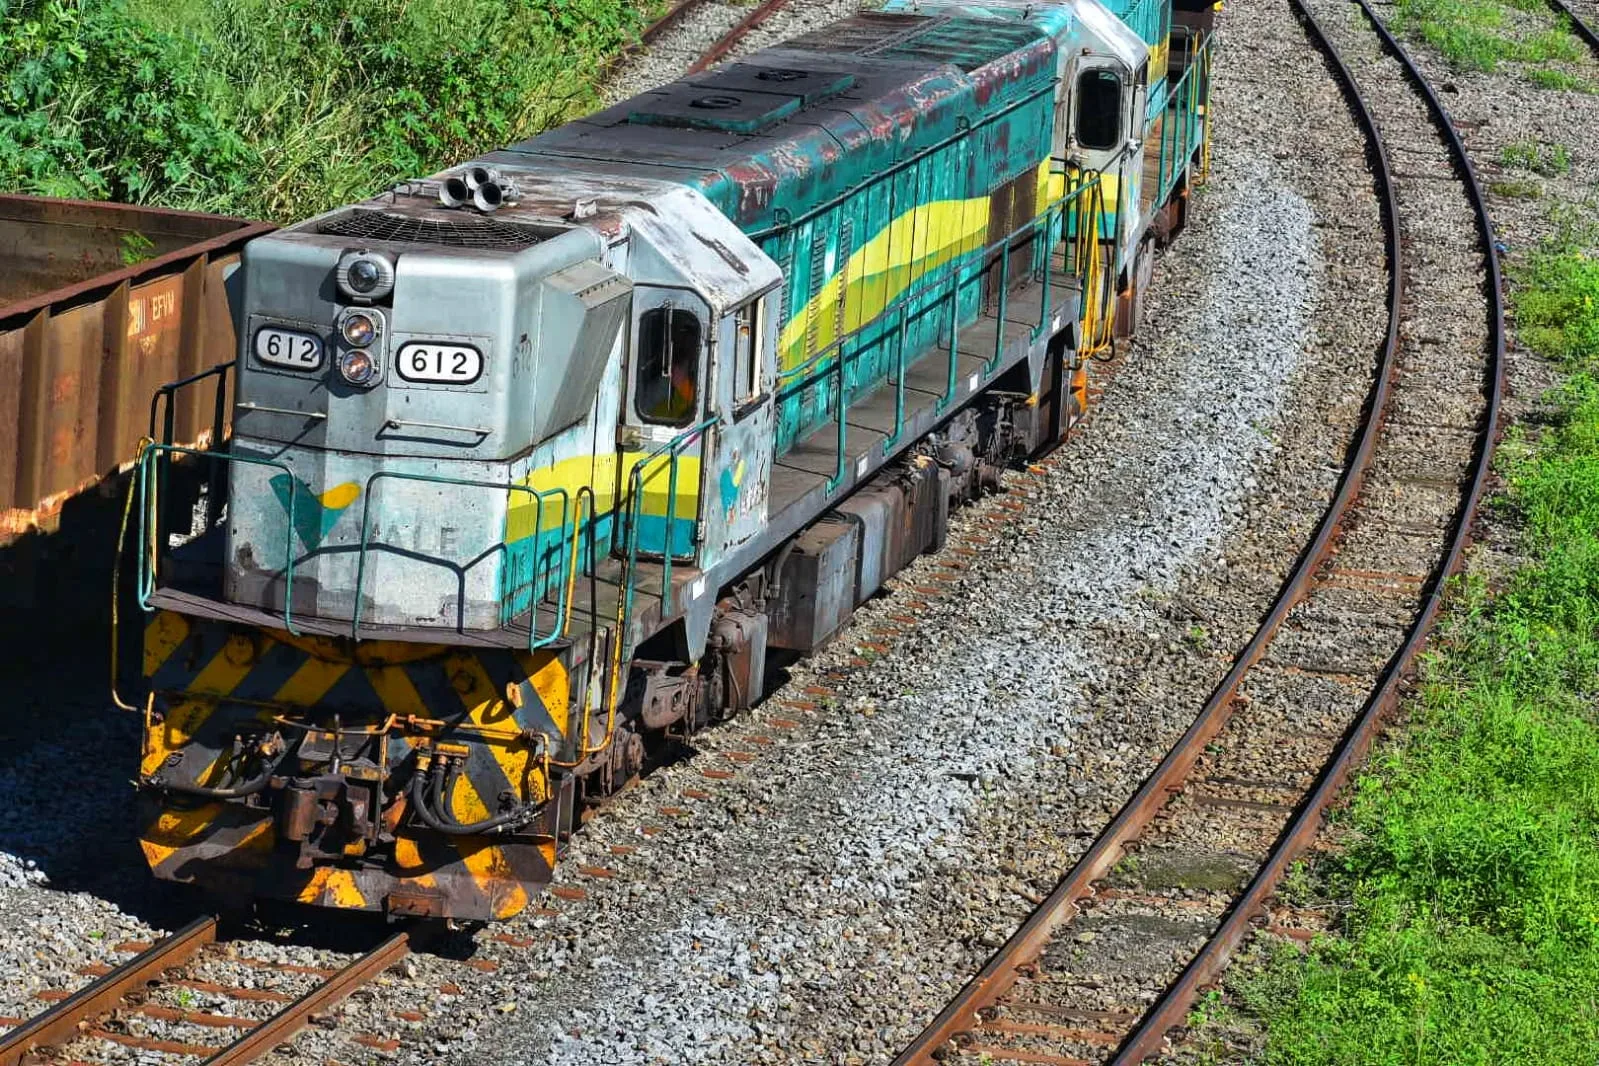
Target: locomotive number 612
column 455, row 364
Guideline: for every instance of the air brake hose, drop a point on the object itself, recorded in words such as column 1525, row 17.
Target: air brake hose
column 417, row 792
column 249, row 787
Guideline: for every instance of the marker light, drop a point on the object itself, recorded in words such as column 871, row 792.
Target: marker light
column 357, row 367
column 358, row 329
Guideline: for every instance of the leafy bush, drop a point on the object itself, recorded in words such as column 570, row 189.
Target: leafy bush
column 94, row 104
column 281, row 108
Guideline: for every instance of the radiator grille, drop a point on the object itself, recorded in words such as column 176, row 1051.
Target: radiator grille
column 465, row 231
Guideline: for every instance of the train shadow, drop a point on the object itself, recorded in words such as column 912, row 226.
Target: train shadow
column 69, row 755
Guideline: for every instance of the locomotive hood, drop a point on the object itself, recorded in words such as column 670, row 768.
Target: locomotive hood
column 490, row 333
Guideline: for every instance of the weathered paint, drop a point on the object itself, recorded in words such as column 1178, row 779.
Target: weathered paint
column 86, row 339
column 211, row 682
column 867, row 169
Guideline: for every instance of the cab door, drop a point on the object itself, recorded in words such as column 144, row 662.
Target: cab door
column 739, row 471
column 1105, row 108
column 663, row 442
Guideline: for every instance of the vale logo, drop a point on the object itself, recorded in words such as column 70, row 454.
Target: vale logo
column 313, row 514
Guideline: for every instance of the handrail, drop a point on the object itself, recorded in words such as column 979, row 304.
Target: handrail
column 910, row 295
column 169, row 391
column 540, row 496
column 150, row 492
column 219, row 417
column 1183, row 100
column 834, row 359
column 672, row 451
column 150, row 527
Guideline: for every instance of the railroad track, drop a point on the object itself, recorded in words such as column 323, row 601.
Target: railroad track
column 1582, row 28
column 147, row 1001
column 680, row 12
column 1188, row 867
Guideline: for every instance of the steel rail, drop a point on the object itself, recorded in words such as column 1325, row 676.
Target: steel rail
column 1171, row 1010
column 75, row 1015
column 68, row 1018
column 283, row 1025
column 1582, row 29
column 730, row 40
column 1061, row 906
column 675, row 14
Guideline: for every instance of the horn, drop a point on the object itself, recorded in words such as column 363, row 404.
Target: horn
column 454, row 192
column 488, row 197
column 477, row 177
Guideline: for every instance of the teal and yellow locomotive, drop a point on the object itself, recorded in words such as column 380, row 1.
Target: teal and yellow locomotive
column 533, row 462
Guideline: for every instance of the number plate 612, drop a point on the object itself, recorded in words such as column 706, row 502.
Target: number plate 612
column 456, row 364
column 288, row 348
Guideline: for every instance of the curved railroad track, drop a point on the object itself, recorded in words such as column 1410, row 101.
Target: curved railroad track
column 1583, row 29
column 153, row 986
column 1188, row 866
column 676, row 32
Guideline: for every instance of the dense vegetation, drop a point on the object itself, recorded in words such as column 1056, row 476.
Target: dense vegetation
column 280, row 108
column 1473, row 870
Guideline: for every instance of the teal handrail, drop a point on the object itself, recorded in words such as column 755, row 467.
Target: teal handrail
column 672, row 451
column 540, row 496
column 1181, row 126
column 148, row 520
column 834, row 359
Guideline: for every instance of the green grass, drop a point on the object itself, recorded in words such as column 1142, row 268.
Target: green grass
column 281, row 108
column 1549, row 160
column 1482, row 35
column 1516, row 190
column 1560, row 81
column 1473, row 863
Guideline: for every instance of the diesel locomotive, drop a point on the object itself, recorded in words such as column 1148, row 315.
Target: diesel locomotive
column 535, row 462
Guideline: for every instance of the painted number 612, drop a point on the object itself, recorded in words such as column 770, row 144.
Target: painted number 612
column 454, row 364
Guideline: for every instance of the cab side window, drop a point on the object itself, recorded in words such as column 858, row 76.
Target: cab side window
column 1099, row 109
column 666, row 385
column 746, row 353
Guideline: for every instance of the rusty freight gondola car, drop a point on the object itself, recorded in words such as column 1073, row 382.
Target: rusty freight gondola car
column 535, row 460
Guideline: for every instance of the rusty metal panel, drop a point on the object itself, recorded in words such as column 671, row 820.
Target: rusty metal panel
column 142, row 355
column 49, row 244
column 84, row 350
column 10, row 413
column 61, row 376
column 214, row 343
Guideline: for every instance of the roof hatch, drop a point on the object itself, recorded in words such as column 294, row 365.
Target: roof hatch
column 740, row 98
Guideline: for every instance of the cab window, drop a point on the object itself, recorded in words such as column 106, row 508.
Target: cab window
column 666, row 388
column 746, row 353
column 1099, row 109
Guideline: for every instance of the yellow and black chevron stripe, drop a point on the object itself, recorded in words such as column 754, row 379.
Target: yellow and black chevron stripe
column 213, row 678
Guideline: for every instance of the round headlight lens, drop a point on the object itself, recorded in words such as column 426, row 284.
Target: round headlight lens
column 363, row 276
column 357, row 367
column 358, row 329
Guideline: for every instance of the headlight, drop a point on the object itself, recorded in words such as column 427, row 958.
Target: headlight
column 365, row 276
column 357, row 367
column 358, row 330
